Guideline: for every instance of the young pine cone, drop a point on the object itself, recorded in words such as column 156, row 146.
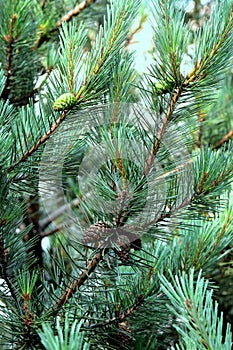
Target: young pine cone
column 96, row 233
column 65, row 101
column 124, row 248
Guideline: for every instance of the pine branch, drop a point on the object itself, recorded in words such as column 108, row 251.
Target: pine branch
column 208, row 59
column 44, row 37
column 161, row 133
column 68, row 335
column 212, row 175
column 192, row 304
column 42, row 140
column 75, row 202
column 208, row 252
column 198, row 73
column 109, row 42
column 168, row 214
column 78, row 283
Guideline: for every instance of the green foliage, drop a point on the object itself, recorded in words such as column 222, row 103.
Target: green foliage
column 198, row 323
column 213, row 173
column 139, row 169
column 69, row 336
column 171, row 46
column 18, row 32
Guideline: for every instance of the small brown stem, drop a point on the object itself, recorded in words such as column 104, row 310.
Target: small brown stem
column 135, row 31
column 223, row 140
column 196, row 8
column 162, row 131
column 74, row 12
column 44, row 37
column 43, row 139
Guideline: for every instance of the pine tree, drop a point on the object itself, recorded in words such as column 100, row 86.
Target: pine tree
column 127, row 178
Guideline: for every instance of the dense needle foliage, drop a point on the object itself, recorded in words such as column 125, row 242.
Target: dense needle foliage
column 116, row 215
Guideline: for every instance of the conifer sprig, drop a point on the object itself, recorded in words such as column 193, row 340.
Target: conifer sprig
column 191, row 302
column 170, row 48
column 110, row 40
column 16, row 40
column 115, row 291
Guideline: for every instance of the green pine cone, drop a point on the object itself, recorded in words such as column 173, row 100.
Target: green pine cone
column 65, row 101
column 163, row 86
column 160, row 87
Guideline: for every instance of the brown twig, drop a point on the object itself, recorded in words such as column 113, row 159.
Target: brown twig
column 43, row 139
column 78, row 283
column 167, row 214
column 162, row 131
column 223, row 140
column 196, row 8
column 10, row 41
column 135, row 31
column 67, row 18
column 74, row 12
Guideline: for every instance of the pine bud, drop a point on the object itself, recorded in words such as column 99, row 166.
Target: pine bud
column 163, row 86
column 65, row 101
